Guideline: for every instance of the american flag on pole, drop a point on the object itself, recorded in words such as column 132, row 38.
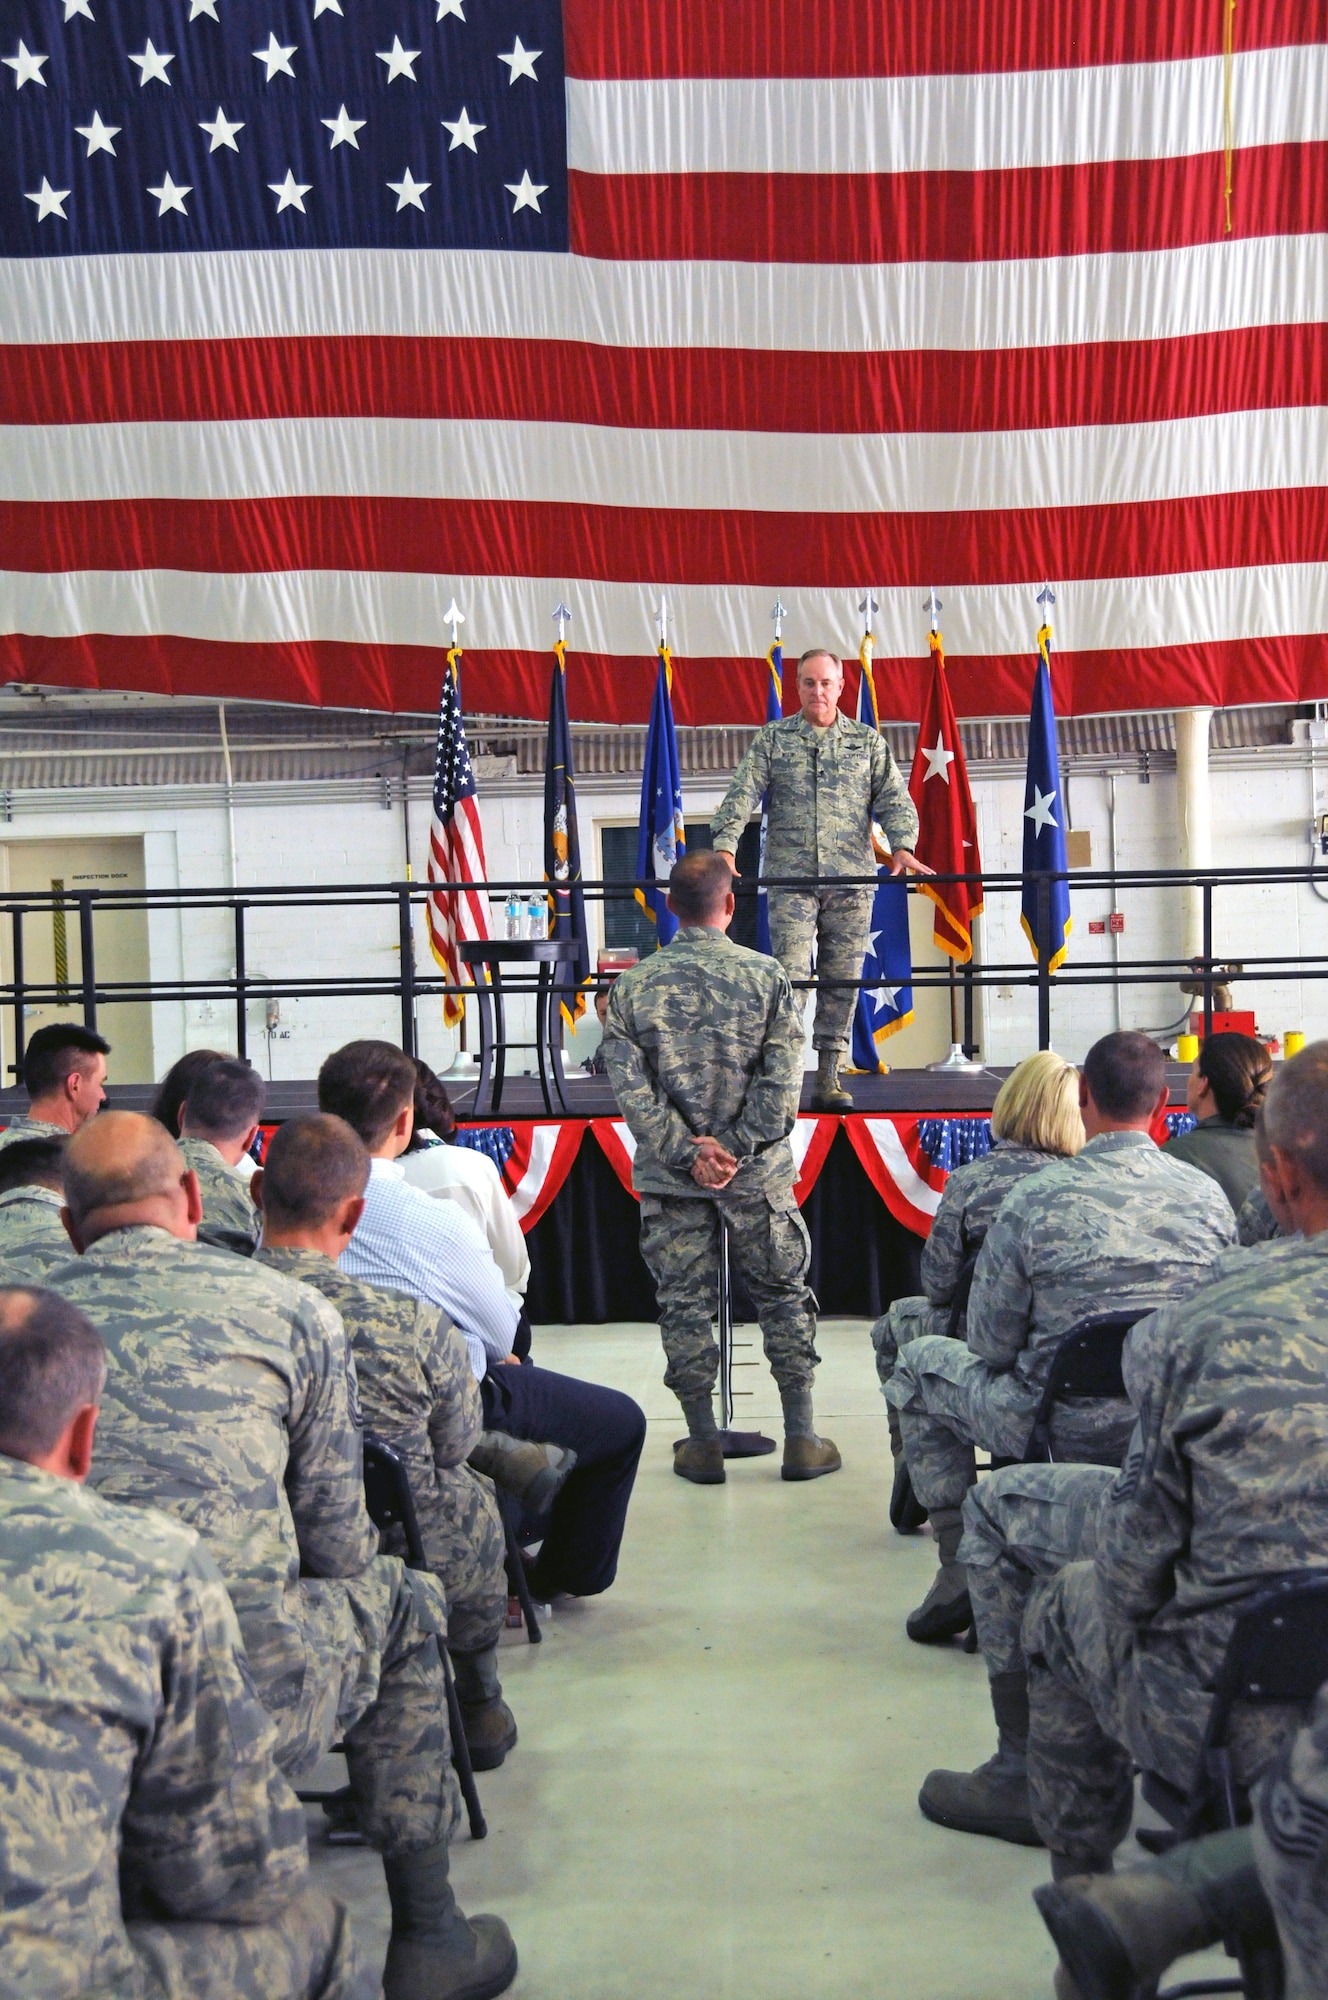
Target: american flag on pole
column 304, row 299
column 456, row 844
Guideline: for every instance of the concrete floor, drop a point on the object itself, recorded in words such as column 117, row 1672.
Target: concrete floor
column 714, row 1794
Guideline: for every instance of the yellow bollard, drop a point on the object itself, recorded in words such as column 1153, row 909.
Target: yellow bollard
column 1187, row 1048
column 1293, row 1042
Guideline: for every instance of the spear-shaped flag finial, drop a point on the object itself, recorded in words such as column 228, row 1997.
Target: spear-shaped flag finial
column 868, row 607
column 1046, row 595
column 563, row 617
column 932, row 607
column 663, row 620
column 779, row 614
column 454, row 617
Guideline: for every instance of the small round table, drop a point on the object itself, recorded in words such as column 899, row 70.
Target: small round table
column 492, row 954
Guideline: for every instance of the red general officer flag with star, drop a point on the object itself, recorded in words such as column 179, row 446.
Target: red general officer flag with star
column 947, row 824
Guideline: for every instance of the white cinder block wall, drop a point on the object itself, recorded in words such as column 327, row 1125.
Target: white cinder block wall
column 1261, row 814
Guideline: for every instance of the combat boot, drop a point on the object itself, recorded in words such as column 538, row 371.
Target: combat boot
column 809, row 1458
column 1117, row 1934
column 434, row 1952
column 534, row 1474
column 994, row 1798
column 828, row 1093
column 700, row 1459
column 945, row 1611
column 489, row 1723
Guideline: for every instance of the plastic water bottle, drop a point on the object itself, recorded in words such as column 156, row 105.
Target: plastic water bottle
column 513, row 915
column 537, row 917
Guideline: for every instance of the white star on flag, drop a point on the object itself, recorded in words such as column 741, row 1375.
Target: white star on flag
column 398, row 60
column 409, row 192
column 151, row 65
column 462, row 130
column 275, row 58
column 290, row 193
column 73, row 7
column 521, row 62
column 27, row 67
column 327, row 7
column 343, row 129
column 1040, row 811
column 221, row 131
column 50, row 201
column 98, row 136
column 169, row 196
column 888, row 997
column 939, row 760
column 208, row 7
column 446, row 7
column 526, row 193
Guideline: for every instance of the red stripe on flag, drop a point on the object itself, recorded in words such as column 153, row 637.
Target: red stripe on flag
column 616, row 687
column 659, row 38
column 689, row 545
column 696, row 388
column 1017, row 212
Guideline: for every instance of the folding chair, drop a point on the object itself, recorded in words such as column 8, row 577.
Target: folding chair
column 391, row 1504
column 1087, row 1363
column 907, row 1512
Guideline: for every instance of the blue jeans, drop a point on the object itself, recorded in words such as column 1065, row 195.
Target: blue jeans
column 606, row 1430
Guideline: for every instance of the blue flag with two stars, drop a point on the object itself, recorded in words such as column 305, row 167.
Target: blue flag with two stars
column 239, row 125
column 1044, row 816
column 885, row 1003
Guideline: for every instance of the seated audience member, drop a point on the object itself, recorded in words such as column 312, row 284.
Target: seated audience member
column 1118, row 1226
column 64, row 1074
column 410, row 1243
column 1225, row 1487
column 470, row 1179
column 1034, row 1121
column 148, row 1842
column 231, row 1403
column 218, row 1125
column 1224, row 1091
column 32, row 1236
column 168, row 1104
column 418, row 1393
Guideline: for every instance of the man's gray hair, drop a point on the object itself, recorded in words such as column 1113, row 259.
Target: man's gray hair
column 52, row 1365
column 1294, row 1117
column 820, row 653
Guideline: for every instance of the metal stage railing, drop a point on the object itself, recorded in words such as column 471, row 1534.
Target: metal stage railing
column 410, row 983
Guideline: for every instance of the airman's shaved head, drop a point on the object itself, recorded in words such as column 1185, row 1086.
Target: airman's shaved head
column 118, row 1165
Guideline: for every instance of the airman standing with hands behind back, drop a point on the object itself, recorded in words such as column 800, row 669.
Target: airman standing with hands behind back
column 826, row 778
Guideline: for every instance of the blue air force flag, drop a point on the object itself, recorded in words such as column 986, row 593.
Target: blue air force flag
column 885, row 1005
column 774, row 709
column 1044, row 821
column 661, row 837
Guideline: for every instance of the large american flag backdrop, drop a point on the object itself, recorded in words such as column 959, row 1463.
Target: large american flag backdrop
column 318, row 313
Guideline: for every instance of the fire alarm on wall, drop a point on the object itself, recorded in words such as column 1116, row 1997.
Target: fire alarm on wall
column 1097, row 927
column 1116, row 922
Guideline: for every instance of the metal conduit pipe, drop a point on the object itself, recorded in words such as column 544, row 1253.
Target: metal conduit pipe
column 1194, row 818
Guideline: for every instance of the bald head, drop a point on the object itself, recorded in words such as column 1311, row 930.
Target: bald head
column 124, row 1171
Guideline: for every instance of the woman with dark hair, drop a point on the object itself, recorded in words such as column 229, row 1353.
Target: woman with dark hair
column 1224, row 1091
column 470, row 1179
column 177, row 1083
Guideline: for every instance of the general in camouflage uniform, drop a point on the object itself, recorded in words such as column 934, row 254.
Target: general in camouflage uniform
column 418, row 1393
column 969, row 1201
column 1291, row 1852
column 825, row 779
column 703, row 1041
column 1225, row 1486
column 149, row 1847
column 230, row 1220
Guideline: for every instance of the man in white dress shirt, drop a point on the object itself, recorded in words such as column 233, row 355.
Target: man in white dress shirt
column 408, row 1242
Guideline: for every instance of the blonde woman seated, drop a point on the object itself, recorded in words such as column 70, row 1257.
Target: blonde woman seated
column 1034, row 1120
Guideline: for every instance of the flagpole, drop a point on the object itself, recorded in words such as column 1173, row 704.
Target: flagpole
column 957, row 1063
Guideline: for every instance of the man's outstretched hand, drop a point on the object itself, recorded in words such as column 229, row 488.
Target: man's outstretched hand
column 714, row 1166
column 902, row 859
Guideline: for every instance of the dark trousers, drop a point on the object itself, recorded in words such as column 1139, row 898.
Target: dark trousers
column 606, row 1430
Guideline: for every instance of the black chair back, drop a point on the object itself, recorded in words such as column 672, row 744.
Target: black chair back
column 1277, row 1655
column 964, row 1285
column 1087, row 1363
column 388, row 1497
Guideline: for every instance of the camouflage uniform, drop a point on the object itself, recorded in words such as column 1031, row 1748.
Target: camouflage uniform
column 1291, row 1850
column 419, row 1394
column 230, row 1220
column 23, row 1127
column 969, row 1201
column 1118, row 1226
column 703, row 1038
column 149, row 1847
column 1225, row 1486
column 32, row 1236
column 232, row 1402
column 1256, row 1222
column 824, row 791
